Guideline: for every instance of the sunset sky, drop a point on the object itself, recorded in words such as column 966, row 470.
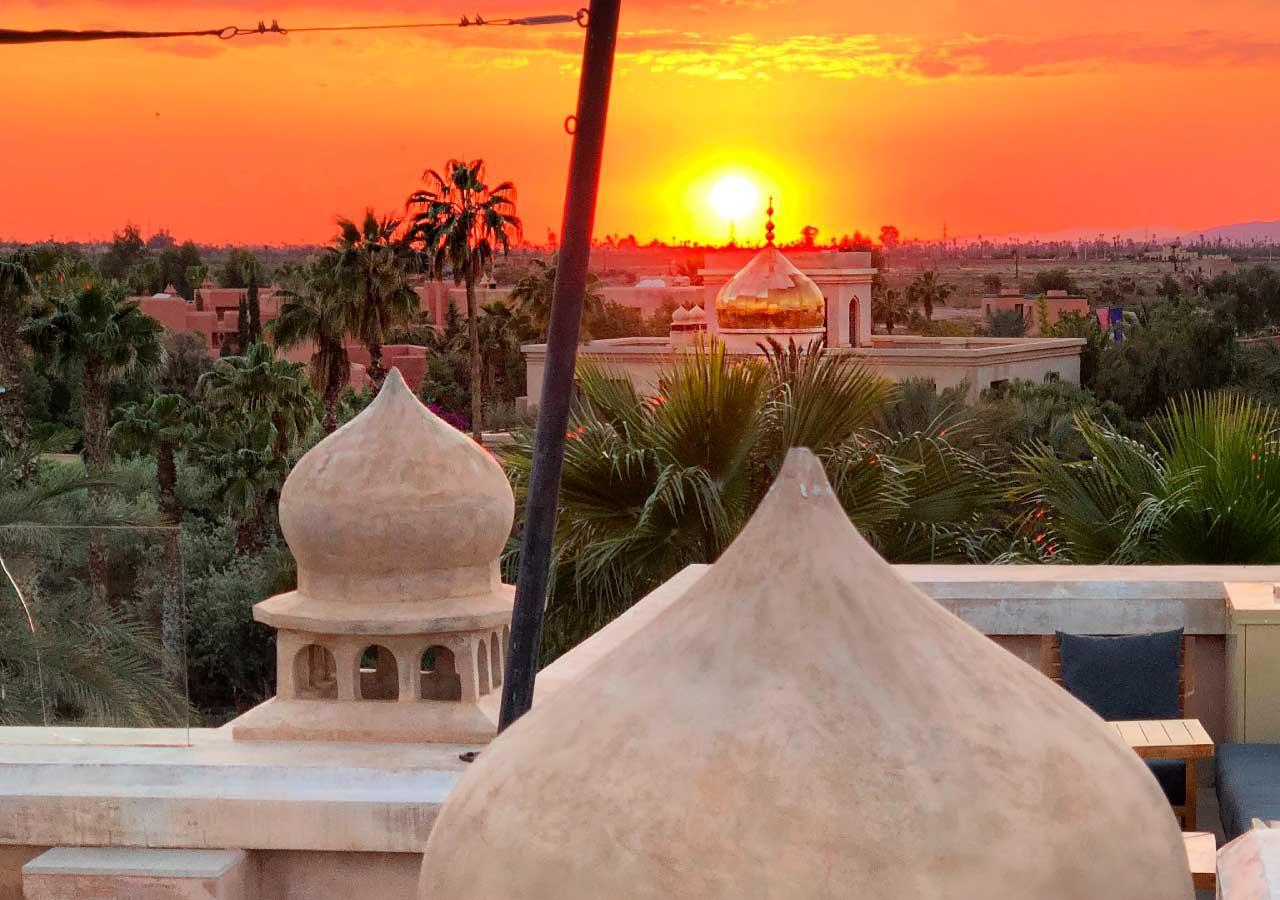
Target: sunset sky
column 991, row 115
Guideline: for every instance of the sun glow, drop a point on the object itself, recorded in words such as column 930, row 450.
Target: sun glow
column 734, row 198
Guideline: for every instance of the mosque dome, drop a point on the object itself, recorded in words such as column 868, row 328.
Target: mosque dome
column 804, row 722
column 397, row 507
column 680, row 316
column 770, row 294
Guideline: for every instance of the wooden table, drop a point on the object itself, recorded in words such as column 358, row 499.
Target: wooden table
column 1202, row 855
column 1170, row 739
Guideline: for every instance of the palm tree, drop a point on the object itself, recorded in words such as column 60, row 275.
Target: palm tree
column 96, row 331
column 64, row 656
column 16, row 289
column 261, row 386
column 314, row 311
column 501, row 332
column 532, row 294
column 652, row 484
column 926, row 291
column 258, row 411
column 890, row 307
column 1205, row 490
column 158, row 427
column 368, row 266
column 460, row 222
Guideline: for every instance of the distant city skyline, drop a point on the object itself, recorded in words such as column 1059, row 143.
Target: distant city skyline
column 993, row 116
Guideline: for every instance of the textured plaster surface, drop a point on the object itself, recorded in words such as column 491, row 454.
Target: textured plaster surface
column 804, row 723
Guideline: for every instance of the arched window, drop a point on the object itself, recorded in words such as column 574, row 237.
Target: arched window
column 315, row 674
column 379, row 674
column 482, row 665
column 439, row 675
column 495, row 661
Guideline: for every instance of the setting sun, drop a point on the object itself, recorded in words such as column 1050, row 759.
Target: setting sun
column 734, row 198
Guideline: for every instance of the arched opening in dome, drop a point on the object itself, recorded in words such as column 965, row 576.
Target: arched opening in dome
column 315, row 674
column 482, row 665
column 495, row 661
column 438, row 677
column 379, row 674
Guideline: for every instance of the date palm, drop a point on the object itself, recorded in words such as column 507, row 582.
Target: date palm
column 261, row 386
column 890, row 307
column 460, row 221
column 315, row 312
column 64, row 657
column 159, row 427
column 94, row 331
column 926, row 291
column 369, row 270
column 16, row 290
column 258, row 409
column 532, row 294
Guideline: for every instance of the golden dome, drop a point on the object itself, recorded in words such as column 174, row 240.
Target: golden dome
column 770, row 293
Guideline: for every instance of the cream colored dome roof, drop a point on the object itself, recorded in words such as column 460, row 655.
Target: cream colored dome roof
column 396, row 510
column 770, row 293
column 804, row 723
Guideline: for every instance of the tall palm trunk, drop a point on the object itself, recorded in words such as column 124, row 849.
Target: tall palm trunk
column 171, row 617
column 329, row 422
column 251, row 528
column 97, row 458
column 473, row 338
column 377, row 374
column 331, row 371
column 13, row 412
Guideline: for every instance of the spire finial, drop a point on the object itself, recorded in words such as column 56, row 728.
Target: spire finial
column 768, row 228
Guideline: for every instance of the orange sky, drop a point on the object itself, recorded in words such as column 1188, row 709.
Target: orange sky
column 991, row 115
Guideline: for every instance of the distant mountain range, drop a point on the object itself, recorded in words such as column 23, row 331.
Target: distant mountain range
column 1238, row 233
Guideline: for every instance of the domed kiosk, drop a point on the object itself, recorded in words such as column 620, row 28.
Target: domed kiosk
column 769, row 296
column 398, row 628
column 803, row 722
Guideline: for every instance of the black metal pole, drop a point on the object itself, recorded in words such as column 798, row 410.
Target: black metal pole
column 562, row 354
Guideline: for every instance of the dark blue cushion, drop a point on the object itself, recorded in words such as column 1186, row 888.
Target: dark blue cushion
column 1126, row 677
column 1172, row 775
column 1248, row 785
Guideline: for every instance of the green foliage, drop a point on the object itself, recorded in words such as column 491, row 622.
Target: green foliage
column 66, row 658
column 1072, row 324
column 368, row 270
column 1025, row 412
column 460, row 222
column 1181, row 347
column 652, row 485
column 1206, row 489
column 230, row 657
column 1006, row 323
column 316, row 311
column 926, row 292
column 1059, row 279
column 1250, row 297
column 236, row 268
column 532, row 296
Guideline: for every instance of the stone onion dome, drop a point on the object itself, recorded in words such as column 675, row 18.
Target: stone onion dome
column 805, row 723
column 398, row 628
column 770, row 294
